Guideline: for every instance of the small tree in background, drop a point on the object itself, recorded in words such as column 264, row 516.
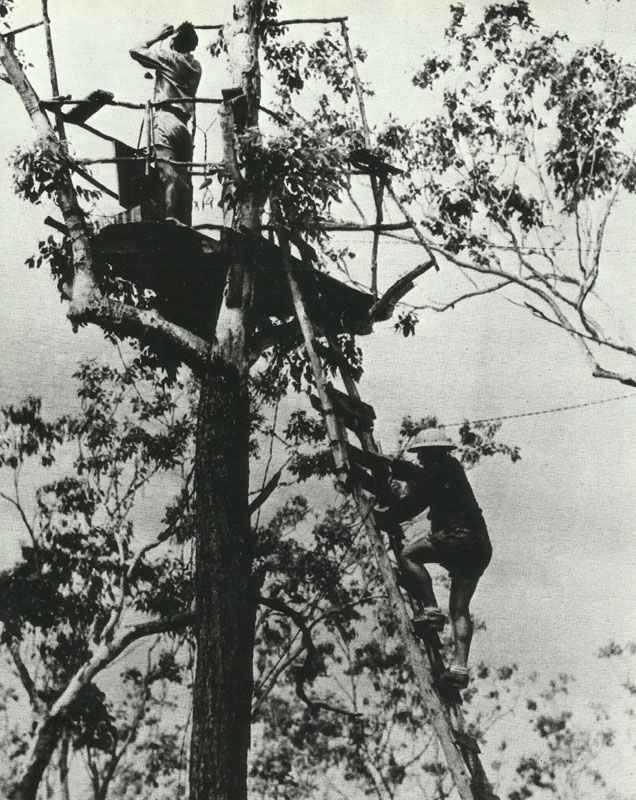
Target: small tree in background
column 91, row 581
column 516, row 178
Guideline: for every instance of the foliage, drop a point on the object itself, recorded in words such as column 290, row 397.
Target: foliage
column 36, row 172
column 536, row 745
column 86, row 572
column 6, row 6
column 302, row 169
column 84, row 575
column 529, row 141
column 523, row 163
column 476, row 440
column 294, row 63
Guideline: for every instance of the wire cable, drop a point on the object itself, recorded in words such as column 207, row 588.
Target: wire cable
column 554, row 410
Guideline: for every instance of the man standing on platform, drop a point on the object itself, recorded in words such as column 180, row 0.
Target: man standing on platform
column 177, row 77
column 458, row 540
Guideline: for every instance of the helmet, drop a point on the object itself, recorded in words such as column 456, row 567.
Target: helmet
column 431, row 437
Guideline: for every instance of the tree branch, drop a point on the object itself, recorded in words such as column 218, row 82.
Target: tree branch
column 409, row 217
column 25, row 678
column 265, row 492
column 24, row 28
column 376, row 228
column 467, row 296
column 47, row 733
column 147, row 325
column 383, row 308
column 621, row 348
column 18, row 506
column 311, row 665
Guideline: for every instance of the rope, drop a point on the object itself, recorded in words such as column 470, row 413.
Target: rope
column 555, row 410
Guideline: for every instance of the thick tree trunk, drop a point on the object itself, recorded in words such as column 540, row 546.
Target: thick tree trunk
column 226, row 599
column 225, row 596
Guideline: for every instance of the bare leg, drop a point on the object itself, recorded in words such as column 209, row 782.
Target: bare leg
column 416, row 578
column 175, row 183
column 462, row 590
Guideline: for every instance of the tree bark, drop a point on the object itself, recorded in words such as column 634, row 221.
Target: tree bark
column 225, row 595
column 40, row 757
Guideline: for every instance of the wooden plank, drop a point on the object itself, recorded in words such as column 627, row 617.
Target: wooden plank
column 236, row 100
column 133, row 185
column 89, row 106
column 366, row 161
column 355, row 417
column 147, row 250
column 364, row 479
column 351, row 405
column 16, row 31
column 370, row 460
column 143, row 212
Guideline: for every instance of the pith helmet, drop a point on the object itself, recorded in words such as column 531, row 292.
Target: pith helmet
column 431, row 437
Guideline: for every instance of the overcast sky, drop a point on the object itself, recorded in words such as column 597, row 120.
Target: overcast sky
column 562, row 521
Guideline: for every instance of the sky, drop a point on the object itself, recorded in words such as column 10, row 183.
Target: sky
column 562, row 520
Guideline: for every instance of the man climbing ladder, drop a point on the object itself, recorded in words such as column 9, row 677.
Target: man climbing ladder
column 458, row 540
column 177, row 77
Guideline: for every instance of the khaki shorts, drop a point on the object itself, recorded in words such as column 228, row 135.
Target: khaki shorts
column 463, row 551
column 171, row 134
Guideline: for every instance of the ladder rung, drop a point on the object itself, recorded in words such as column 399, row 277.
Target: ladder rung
column 467, row 742
column 351, row 405
column 353, row 413
column 386, row 524
column 366, row 481
column 373, row 461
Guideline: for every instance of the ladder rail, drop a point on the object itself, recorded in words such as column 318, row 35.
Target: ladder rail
column 480, row 784
column 439, row 713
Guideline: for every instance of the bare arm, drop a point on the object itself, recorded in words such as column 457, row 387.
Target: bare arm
column 418, row 496
column 410, row 506
column 146, row 53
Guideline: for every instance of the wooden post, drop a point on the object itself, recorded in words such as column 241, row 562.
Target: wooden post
column 59, row 124
column 334, row 431
column 377, row 188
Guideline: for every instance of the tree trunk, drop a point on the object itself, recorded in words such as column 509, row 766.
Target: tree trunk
column 47, row 741
column 225, row 595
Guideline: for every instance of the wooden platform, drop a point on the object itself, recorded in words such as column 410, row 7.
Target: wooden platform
column 187, row 271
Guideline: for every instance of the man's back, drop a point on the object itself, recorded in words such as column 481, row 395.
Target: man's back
column 441, row 486
column 177, row 75
column 452, row 499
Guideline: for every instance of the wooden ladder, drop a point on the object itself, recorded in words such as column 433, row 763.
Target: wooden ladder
column 364, row 474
